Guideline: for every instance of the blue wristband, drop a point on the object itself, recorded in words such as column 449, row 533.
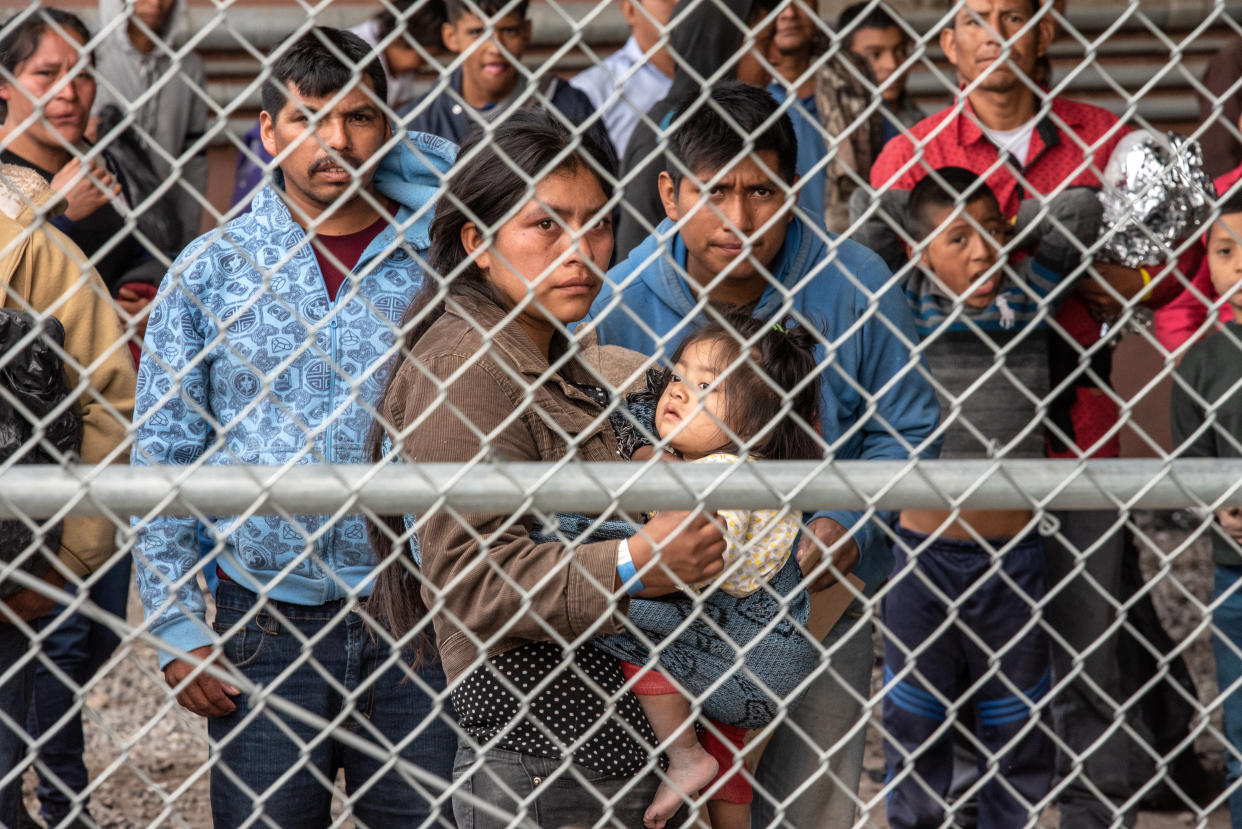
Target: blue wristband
column 626, row 569
column 627, row 572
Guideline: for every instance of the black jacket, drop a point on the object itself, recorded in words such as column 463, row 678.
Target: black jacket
column 448, row 116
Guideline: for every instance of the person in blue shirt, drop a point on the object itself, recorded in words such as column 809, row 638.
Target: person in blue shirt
column 730, row 241
column 264, row 346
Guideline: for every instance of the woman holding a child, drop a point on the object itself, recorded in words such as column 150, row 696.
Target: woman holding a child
column 499, row 356
column 490, row 374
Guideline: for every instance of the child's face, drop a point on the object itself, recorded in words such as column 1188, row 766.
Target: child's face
column 885, row 50
column 961, row 254
column 691, row 429
column 1225, row 258
column 486, row 68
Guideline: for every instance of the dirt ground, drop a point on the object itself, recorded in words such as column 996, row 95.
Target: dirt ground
column 148, row 758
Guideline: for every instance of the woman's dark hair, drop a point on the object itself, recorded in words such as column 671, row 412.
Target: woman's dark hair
column 423, row 24
column 19, row 39
column 311, row 65
column 778, row 364
column 489, row 181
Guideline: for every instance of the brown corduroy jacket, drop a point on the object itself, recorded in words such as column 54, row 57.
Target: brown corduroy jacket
column 471, row 398
column 41, row 271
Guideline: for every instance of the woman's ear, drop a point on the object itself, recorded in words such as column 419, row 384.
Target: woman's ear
column 472, row 243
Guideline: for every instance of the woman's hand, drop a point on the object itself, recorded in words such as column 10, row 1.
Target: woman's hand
column 29, row 605
column 689, row 547
column 85, row 196
column 133, row 303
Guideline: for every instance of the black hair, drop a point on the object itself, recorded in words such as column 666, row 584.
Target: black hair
column 526, row 145
column 708, row 141
column 19, row 39
column 422, row 24
column 1231, row 203
column 760, row 9
column 311, row 65
column 778, row 363
column 929, row 196
column 865, row 15
column 485, row 8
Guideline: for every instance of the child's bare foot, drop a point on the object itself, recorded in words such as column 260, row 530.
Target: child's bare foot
column 689, row 770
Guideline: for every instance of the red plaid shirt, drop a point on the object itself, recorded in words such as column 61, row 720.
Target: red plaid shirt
column 1069, row 147
column 1057, row 159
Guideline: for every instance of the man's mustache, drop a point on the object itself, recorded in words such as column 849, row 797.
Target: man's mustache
column 333, row 163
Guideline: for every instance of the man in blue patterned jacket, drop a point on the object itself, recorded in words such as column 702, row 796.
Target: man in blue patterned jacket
column 265, row 346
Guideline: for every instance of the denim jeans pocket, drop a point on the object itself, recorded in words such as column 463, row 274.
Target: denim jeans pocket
column 244, row 643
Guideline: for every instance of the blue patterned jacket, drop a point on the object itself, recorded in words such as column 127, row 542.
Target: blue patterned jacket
column 249, row 362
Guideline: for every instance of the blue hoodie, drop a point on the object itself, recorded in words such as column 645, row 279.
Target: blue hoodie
column 847, row 290
column 247, row 368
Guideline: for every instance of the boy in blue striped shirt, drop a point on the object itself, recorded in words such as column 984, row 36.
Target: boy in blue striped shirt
column 984, row 333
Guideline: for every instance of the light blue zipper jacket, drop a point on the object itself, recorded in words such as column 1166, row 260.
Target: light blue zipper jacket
column 250, row 362
column 876, row 401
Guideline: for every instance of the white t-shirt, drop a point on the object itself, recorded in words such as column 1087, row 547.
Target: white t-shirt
column 1016, row 142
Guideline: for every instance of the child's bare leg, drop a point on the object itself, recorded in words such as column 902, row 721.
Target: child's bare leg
column 726, row 815
column 690, row 767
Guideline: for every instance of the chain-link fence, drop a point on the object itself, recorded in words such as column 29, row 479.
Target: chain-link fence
column 726, row 412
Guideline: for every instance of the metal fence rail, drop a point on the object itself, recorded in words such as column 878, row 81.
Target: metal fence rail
column 1135, row 484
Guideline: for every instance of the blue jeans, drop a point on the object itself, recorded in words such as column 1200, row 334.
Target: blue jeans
column 276, row 770
column 1227, row 625
column 16, row 686
column 78, row 646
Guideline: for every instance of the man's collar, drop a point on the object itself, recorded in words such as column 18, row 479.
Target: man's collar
column 970, row 130
column 632, row 52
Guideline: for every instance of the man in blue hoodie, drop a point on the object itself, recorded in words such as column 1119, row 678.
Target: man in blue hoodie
column 265, row 346
column 731, row 241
